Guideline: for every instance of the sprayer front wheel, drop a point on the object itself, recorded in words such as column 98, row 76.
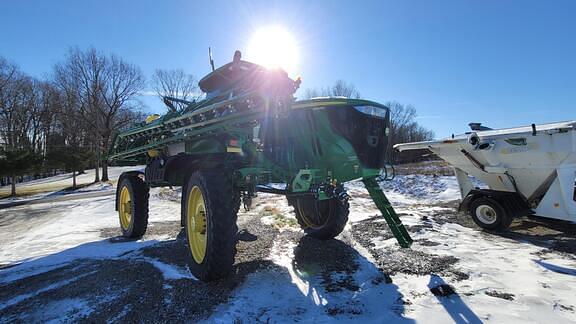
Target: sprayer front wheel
column 322, row 219
column 210, row 224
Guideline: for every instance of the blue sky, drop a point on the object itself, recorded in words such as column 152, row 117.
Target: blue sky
column 503, row 63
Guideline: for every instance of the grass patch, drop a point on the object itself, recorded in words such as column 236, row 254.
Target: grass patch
column 278, row 219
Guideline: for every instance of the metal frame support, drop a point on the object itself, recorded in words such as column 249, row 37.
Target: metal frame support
column 463, row 182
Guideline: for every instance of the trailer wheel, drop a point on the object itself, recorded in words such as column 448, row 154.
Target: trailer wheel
column 132, row 206
column 210, row 224
column 489, row 214
column 322, row 219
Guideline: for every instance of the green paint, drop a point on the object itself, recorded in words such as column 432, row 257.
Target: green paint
column 392, row 219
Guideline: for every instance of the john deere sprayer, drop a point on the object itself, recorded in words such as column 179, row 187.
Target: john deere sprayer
column 250, row 132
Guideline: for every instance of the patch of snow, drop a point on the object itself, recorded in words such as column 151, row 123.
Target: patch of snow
column 64, row 180
column 169, row 271
column 99, row 186
column 493, row 263
column 42, row 237
column 288, row 296
column 39, row 237
column 55, row 285
column 73, row 309
column 415, row 189
column 268, row 220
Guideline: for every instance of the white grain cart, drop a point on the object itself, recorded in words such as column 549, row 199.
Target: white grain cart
column 529, row 171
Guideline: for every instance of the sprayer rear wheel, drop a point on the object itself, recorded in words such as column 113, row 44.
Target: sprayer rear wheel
column 132, row 205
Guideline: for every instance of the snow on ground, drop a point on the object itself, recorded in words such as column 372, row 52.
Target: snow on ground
column 299, row 295
column 543, row 287
column 507, row 281
column 68, row 230
column 46, row 186
column 497, row 279
column 493, row 265
column 414, row 189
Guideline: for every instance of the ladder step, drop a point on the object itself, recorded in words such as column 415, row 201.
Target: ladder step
column 392, row 219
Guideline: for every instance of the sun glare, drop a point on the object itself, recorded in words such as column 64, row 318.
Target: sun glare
column 274, row 47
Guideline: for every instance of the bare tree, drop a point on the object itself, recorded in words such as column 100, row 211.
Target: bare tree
column 18, row 113
column 175, row 83
column 9, row 76
column 340, row 88
column 17, row 102
column 49, row 101
column 311, row 93
column 81, row 75
column 103, row 88
column 8, row 72
column 404, row 127
column 122, row 83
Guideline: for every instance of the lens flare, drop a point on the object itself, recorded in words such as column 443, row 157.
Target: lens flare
column 273, row 47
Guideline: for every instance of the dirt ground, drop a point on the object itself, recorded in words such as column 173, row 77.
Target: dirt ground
column 130, row 288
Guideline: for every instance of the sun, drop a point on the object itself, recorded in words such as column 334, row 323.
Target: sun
column 273, row 47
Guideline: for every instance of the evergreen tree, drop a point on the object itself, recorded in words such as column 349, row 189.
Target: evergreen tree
column 17, row 162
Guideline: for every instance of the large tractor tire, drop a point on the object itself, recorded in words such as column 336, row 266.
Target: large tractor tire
column 322, row 219
column 237, row 201
column 132, row 205
column 210, row 224
column 489, row 214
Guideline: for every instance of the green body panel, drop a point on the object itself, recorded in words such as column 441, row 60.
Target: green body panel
column 338, row 157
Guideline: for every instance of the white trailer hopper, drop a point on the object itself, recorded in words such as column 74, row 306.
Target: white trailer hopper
column 529, row 170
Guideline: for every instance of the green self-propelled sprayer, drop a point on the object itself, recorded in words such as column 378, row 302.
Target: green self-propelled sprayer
column 249, row 133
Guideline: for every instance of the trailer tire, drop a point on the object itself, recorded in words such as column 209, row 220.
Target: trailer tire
column 489, row 214
column 132, row 205
column 211, row 228
column 322, row 219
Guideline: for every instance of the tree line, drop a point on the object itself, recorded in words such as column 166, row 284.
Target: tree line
column 67, row 121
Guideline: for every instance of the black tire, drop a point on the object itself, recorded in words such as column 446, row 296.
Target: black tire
column 322, row 219
column 236, row 204
column 489, row 214
column 237, row 201
column 183, row 205
column 219, row 200
column 139, row 196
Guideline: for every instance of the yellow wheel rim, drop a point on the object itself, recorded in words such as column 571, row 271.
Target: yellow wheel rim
column 125, row 208
column 196, row 224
